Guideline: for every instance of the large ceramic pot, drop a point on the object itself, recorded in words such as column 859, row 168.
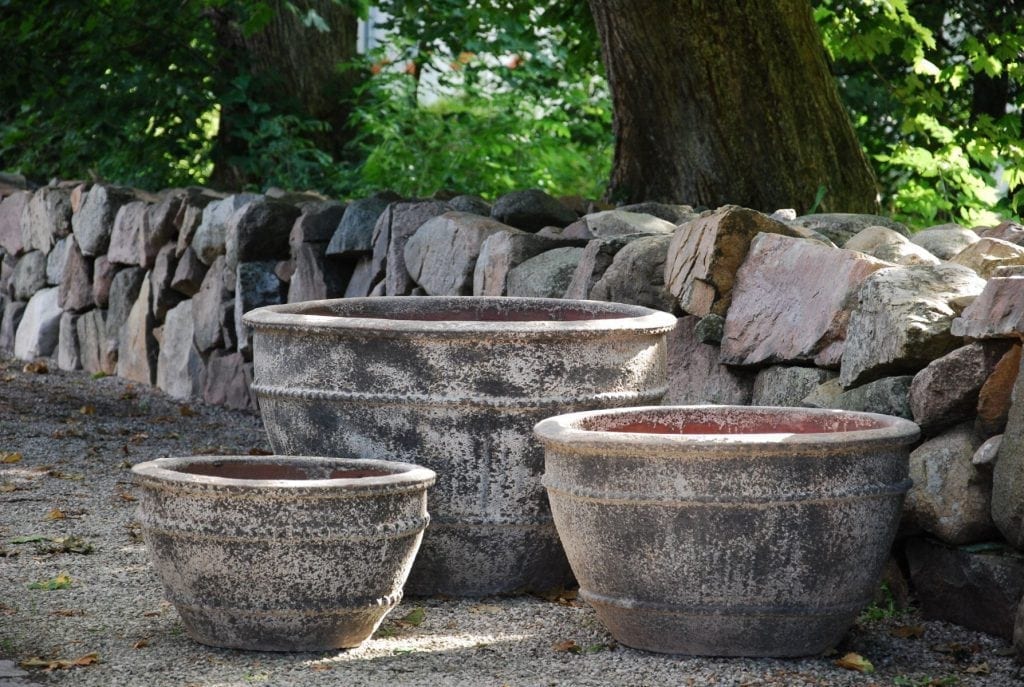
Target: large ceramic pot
column 285, row 553
column 456, row 384
column 729, row 531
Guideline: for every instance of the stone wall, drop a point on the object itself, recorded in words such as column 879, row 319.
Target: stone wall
column 772, row 312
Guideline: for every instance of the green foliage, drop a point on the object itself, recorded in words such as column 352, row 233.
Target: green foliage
column 883, row 609
column 935, row 91
column 103, row 87
column 485, row 143
column 485, row 98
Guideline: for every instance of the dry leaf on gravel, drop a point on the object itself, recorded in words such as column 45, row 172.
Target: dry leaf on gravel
column 61, row 581
column 979, row 669
column 141, row 644
column 852, row 661
column 413, row 618
column 565, row 645
column 49, row 665
column 125, row 496
column 68, row 612
column 907, row 631
column 38, row 367
column 56, row 514
column 9, row 458
column 67, row 545
column 87, row 409
column 186, row 411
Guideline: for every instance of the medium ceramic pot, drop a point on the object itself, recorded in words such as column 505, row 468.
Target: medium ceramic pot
column 456, row 384
column 284, row 553
column 728, row 531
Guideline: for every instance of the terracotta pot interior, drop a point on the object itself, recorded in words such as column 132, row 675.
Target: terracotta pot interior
column 271, row 471
column 464, row 313
column 740, row 423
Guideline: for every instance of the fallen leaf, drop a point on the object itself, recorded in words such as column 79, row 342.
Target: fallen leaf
column 565, row 645
column 979, row 669
column 958, row 651
column 98, row 375
column 67, row 545
column 64, row 475
column 68, row 612
column 31, row 539
column 56, row 514
column 907, row 631
column 413, row 618
column 125, row 496
column 49, row 665
column 186, row 411
column 7, row 610
column 138, row 438
column 7, row 488
column 852, row 661
column 151, row 614
column 38, row 367
column 141, row 644
column 62, row 581
column 9, row 458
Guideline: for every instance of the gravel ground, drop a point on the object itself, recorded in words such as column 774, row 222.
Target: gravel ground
column 77, row 437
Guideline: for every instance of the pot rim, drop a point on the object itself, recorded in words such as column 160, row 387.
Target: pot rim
column 565, row 430
column 625, row 317
column 400, row 475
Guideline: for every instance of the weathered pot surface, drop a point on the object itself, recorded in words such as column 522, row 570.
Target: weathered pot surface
column 727, row 530
column 281, row 553
column 456, row 384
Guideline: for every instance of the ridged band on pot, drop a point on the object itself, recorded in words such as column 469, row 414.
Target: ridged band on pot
column 456, row 384
column 727, row 530
column 282, row 553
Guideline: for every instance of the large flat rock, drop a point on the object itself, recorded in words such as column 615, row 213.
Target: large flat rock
column 977, row 587
column 951, row 498
column 39, row 329
column 441, row 256
column 94, row 221
column 902, row 320
column 181, row 372
column 791, row 302
column 637, row 275
column 997, row 312
column 500, row 253
column 546, row 275
column 705, row 254
column 694, row 374
column 1008, row 474
column 946, row 391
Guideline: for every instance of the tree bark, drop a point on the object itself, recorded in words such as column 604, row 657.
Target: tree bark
column 294, row 69
column 727, row 101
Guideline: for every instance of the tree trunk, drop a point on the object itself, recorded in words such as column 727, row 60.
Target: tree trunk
column 294, row 69
column 727, row 101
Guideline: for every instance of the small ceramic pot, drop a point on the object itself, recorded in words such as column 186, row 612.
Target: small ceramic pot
column 282, row 553
column 729, row 531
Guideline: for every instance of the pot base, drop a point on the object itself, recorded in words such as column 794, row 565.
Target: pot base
column 281, row 630
column 751, row 632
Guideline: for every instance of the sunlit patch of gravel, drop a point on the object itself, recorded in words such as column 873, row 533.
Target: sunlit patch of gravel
column 77, row 437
